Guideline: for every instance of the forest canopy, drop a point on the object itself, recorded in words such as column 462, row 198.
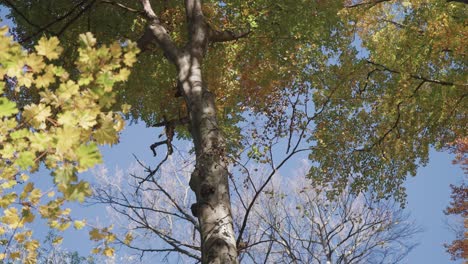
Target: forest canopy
column 365, row 87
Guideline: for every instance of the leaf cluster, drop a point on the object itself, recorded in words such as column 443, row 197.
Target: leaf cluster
column 61, row 130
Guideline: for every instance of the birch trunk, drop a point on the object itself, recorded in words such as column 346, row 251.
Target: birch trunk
column 209, row 180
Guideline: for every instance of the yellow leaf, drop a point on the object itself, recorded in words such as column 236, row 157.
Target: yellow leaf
column 15, row 255
column 66, row 211
column 7, row 199
column 20, row 237
column 31, row 245
column 88, row 40
column 110, row 237
column 79, row 224
column 24, row 177
column 126, row 108
column 66, row 138
column 35, row 196
column 37, row 114
column 128, row 238
column 406, row 3
column 109, row 252
column 49, row 47
column 8, row 184
column 27, row 216
column 43, row 81
column 3, row 30
column 96, row 235
column 57, row 240
column 11, row 218
column 27, row 189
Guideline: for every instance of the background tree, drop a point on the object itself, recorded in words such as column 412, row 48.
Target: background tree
column 290, row 222
column 458, row 207
column 373, row 110
column 51, row 253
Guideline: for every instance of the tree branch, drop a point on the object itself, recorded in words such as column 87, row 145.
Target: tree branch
column 156, row 31
column 71, row 21
column 458, row 1
column 46, row 27
column 227, row 35
column 198, row 28
column 124, row 7
column 15, row 9
column 415, row 76
column 370, row 3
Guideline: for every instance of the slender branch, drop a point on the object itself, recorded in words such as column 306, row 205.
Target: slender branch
column 459, row 1
column 45, row 28
column 71, row 21
column 257, row 194
column 151, row 172
column 370, row 4
column 124, row 7
column 227, row 35
column 15, row 9
column 419, row 77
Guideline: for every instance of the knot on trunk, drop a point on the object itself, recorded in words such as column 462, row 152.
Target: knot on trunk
column 206, row 190
column 194, row 209
column 219, row 251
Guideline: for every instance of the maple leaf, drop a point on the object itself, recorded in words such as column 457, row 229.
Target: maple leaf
column 88, row 156
column 7, row 107
column 49, row 47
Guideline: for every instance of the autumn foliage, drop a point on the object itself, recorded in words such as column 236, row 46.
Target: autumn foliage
column 59, row 129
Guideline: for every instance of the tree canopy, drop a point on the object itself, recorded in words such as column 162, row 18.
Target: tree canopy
column 395, row 68
column 371, row 85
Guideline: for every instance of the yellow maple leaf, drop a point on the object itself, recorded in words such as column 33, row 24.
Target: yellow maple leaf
column 49, row 47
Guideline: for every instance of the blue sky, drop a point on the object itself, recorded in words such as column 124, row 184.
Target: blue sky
column 428, row 196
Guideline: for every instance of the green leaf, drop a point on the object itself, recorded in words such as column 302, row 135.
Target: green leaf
column 65, row 174
column 88, row 156
column 26, row 159
column 7, row 108
column 77, row 192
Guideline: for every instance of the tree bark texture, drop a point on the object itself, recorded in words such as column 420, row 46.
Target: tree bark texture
column 209, row 180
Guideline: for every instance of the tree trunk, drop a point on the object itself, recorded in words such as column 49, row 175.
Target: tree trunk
column 209, row 180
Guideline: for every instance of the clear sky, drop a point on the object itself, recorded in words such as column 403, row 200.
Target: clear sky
column 428, row 196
